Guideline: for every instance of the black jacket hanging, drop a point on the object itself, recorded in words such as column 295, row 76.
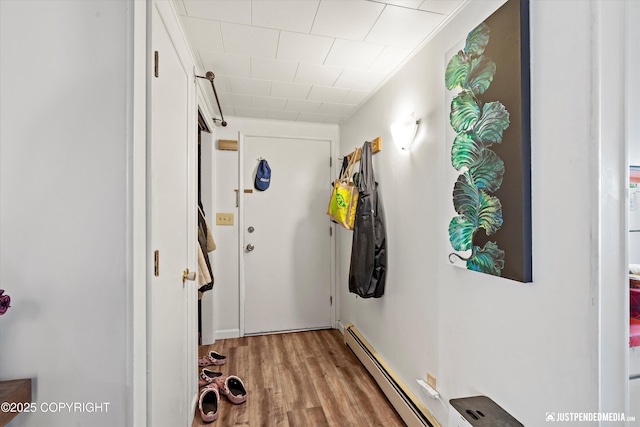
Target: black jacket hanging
column 367, row 273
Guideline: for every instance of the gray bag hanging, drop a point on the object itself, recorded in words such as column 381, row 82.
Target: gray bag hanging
column 367, row 273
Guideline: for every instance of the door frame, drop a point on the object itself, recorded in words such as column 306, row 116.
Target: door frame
column 140, row 253
column 241, row 225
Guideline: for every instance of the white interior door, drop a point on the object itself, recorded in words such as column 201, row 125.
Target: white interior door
column 172, row 133
column 287, row 274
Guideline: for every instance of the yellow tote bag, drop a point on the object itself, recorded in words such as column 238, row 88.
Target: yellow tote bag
column 344, row 198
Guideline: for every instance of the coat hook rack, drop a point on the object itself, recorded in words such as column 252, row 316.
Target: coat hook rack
column 376, row 145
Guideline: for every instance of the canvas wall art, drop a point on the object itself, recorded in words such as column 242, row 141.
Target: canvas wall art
column 489, row 146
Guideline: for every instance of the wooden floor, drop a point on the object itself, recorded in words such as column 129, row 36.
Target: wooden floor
column 299, row 379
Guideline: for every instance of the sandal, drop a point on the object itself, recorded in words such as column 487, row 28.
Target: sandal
column 232, row 387
column 207, row 376
column 212, row 358
column 208, row 404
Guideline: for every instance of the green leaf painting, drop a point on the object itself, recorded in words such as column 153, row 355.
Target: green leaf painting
column 481, row 170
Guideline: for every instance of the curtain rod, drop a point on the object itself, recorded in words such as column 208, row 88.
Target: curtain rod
column 210, row 76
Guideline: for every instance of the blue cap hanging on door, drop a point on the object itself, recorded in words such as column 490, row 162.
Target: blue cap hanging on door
column 263, row 176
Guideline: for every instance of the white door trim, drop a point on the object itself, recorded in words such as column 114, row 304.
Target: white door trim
column 241, row 186
column 137, row 227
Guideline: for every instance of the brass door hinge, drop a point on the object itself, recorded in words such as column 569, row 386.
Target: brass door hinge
column 156, row 263
column 330, row 231
column 331, row 300
column 155, row 63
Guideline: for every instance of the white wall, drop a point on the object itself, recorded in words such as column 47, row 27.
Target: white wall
column 634, row 87
column 225, row 257
column 533, row 348
column 63, row 205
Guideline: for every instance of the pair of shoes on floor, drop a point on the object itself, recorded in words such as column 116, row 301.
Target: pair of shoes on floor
column 212, row 358
column 207, row 376
column 209, row 401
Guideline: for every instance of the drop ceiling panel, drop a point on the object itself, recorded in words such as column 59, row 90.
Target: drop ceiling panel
column 303, row 47
column 290, row 90
column 336, row 109
column 312, row 117
column 315, row 74
column 282, row 115
column 350, row 20
column 287, row 15
column 272, row 69
column 411, row 4
column 355, row 97
column 226, row 64
column 203, row 33
column 416, row 25
column 303, row 106
column 234, row 100
column 359, row 79
column 352, row 54
column 389, row 59
column 269, row 102
column 327, row 94
column 257, row 113
column 250, row 86
column 238, row 11
column 251, row 41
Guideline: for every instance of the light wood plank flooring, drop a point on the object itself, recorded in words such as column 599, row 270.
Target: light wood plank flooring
column 299, row 379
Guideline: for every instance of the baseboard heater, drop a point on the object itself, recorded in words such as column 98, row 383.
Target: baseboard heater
column 409, row 407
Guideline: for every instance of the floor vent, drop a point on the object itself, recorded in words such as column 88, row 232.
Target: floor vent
column 409, row 407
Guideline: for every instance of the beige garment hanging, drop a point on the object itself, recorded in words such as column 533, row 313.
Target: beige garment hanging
column 211, row 244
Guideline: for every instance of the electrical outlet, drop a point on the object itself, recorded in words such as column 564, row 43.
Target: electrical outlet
column 431, row 380
column 224, row 218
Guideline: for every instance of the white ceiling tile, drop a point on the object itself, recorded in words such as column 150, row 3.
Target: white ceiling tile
column 327, row 94
column 411, row 4
column 316, row 74
column 359, row 79
column 258, row 113
column 440, row 6
column 226, row 64
column 303, row 106
column 303, row 47
column 247, row 40
column 273, row 69
column 355, row 97
column 389, row 59
column 285, row 15
column 336, row 109
column 282, row 115
column 238, row 11
column 180, row 6
column 290, row 90
column 269, row 103
column 312, row 117
column 402, row 27
column 335, row 119
column 203, row 33
column 351, row 54
column 234, row 100
column 221, row 82
column 250, row 86
column 351, row 19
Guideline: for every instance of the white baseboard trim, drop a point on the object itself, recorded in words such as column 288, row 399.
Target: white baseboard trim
column 340, row 326
column 227, row 333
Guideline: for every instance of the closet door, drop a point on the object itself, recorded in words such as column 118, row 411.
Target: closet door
column 172, row 341
column 286, row 240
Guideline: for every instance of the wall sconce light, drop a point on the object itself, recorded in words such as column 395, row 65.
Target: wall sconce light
column 404, row 131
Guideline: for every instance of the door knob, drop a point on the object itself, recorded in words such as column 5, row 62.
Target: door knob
column 188, row 275
column 250, row 247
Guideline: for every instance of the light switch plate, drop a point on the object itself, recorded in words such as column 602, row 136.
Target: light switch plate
column 224, row 218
